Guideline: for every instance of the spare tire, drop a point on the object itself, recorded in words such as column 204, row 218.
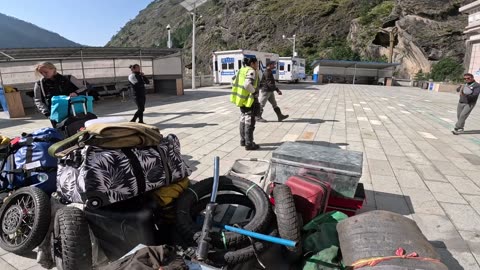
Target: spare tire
column 259, row 223
column 24, row 219
column 288, row 220
column 72, row 247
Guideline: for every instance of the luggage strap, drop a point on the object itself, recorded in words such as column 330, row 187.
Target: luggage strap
column 54, row 150
column 399, row 254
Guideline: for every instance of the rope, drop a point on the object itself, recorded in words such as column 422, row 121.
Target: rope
column 399, row 254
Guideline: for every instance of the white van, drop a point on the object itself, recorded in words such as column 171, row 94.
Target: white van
column 226, row 64
column 291, row 69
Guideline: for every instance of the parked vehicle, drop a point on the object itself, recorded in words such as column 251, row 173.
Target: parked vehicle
column 226, row 64
column 291, row 69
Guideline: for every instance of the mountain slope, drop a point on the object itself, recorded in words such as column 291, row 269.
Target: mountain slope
column 16, row 33
column 428, row 30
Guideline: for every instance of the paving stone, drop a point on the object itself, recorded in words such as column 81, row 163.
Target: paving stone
column 19, row 262
column 422, row 201
column 440, row 229
column 458, row 260
column 464, row 217
column 464, row 185
column 474, row 201
column 430, row 173
column 410, row 179
column 4, row 265
column 473, row 241
column 374, row 153
column 380, row 167
column 445, row 192
column 382, row 183
column 400, row 163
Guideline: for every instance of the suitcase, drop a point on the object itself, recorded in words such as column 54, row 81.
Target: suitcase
column 62, row 108
column 310, row 195
column 76, row 122
column 348, row 206
column 341, row 168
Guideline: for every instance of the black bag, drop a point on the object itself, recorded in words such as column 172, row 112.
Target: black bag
column 147, row 258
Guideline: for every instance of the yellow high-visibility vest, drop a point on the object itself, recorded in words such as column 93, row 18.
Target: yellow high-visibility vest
column 240, row 96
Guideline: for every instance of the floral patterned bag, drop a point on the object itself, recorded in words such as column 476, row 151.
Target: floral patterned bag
column 98, row 177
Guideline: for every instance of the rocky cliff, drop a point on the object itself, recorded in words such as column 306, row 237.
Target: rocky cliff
column 426, row 30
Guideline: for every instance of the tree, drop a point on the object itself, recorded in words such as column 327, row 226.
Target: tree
column 447, row 69
column 420, row 76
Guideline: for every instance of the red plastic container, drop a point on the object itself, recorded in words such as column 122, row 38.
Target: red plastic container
column 346, row 205
column 310, row 194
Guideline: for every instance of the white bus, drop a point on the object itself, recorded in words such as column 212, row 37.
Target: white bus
column 226, row 64
column 291, row 69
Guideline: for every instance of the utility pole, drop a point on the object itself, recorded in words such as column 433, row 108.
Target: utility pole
column 193, row 43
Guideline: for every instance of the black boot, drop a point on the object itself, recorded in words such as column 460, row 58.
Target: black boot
column 280, row 116
column 253, row 146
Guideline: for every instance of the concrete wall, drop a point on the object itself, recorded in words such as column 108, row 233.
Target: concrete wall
column 22, row 75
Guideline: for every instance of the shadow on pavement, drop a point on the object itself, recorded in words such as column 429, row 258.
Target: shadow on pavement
column 445, row 255
column 399, row 204
column 273, row 146
column 470, row 132
column 310, row 121
column 176, row 125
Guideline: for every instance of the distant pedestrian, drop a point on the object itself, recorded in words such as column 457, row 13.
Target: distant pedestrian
column 245, row 96
column 468, row 99
column 53, row 84
column 267, row 93
column 138, row 80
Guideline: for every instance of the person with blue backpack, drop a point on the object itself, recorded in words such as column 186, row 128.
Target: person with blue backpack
column 53, row 84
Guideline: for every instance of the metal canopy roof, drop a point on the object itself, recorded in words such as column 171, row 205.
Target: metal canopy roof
column 29, row 54
column 351, row 64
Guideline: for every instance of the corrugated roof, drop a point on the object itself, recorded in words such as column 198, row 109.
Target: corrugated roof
column 351, row 64
column 76, row 53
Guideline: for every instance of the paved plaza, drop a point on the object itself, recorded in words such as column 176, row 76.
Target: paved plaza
column 413, row 165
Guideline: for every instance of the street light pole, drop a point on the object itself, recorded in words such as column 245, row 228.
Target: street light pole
column 293, row 40
column 193, row 45
column 169, row 42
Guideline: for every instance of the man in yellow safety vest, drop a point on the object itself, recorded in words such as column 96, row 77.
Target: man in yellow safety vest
column 245, row 95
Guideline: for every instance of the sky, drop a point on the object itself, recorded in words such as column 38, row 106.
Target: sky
column 88, row 22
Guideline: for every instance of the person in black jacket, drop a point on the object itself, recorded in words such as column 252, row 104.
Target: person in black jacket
column 53, row 84
column 468, row 99
column 138, row 80
column 267, row 93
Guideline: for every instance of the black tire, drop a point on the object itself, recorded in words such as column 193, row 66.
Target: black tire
column 25, row 216
column 287, row 220
column 259, row 223
column 72, row 247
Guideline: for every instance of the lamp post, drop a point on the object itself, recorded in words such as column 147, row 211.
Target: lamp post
column 191, row 6
column 292, row 39
column 169, row 42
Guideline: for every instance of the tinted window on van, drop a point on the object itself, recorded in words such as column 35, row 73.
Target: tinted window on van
column 288, row 67
column 216, row 65
column 231, row 66
column 239, row 64
column 282, row 67
column 224, row 66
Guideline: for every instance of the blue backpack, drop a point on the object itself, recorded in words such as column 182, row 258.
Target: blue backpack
column 28, row 164
column 62, row 106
